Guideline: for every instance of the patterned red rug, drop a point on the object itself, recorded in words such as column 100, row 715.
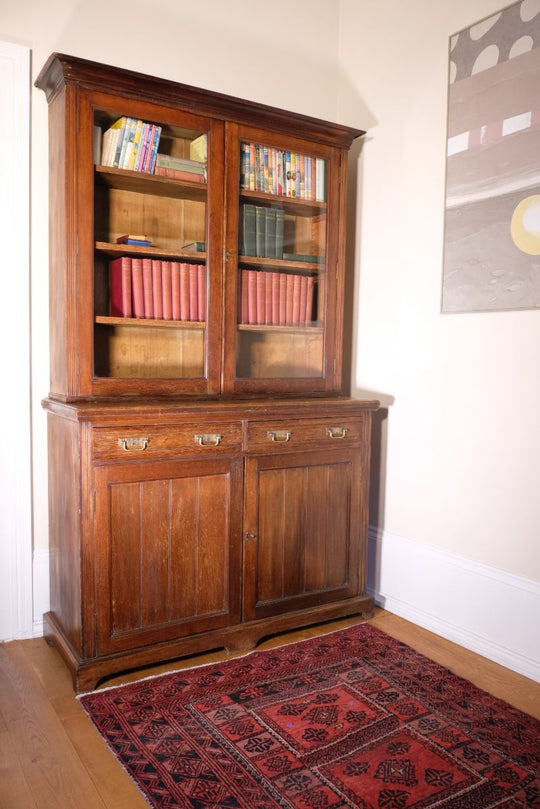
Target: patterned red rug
column 350, row 719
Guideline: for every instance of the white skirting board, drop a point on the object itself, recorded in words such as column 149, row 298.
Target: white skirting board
column 488, row 611
column 491, row 612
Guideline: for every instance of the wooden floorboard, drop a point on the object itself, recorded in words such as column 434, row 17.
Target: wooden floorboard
column 52, row 758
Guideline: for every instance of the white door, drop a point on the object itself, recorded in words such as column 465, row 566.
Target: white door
column 15, row 447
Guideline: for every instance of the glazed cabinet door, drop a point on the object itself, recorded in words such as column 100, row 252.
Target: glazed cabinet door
column 301, row 530
column 144, row 275
column 284, row 252
column 167, row 550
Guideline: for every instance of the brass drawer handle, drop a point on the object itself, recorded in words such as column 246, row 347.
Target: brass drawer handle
column 279, row 436
column 208, row 439
column 337, row 432
column 133, row 444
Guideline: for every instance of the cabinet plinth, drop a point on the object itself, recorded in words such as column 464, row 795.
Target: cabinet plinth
column 208, row 481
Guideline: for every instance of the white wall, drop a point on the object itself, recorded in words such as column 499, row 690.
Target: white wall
column 460, row 456
column 463, row 452
column 461, row 445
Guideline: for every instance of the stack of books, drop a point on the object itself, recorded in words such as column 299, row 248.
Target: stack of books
column 277, row 299
column 158, row 290
column 280, row 172
column 131, row 143
column 181, row 168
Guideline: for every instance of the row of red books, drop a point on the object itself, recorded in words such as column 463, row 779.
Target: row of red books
column 156, row 289
column 277, row 298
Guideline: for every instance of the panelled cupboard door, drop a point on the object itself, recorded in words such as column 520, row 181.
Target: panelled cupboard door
column 301, row 524
column 168, row 544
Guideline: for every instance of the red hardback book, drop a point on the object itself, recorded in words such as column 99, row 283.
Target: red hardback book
column 166, row 289
column 243, row 303
column 309, row 300
column 175, row 290
column 268, row 298
column 261, row 298
column 252, row 296
column 137, row 292
column 275, row 298
column 201, row 292
column 193, row 292
column 147, row 288
column 289, row 300
column 120, row 287
column 303, row 299
column 184, row 291
column 283, row 298
column 157, row 291
column 296, row 299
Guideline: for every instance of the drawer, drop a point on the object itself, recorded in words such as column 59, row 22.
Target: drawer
column 123, row 443
column 293, row 434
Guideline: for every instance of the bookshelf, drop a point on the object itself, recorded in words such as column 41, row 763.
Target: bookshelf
column 208, row 478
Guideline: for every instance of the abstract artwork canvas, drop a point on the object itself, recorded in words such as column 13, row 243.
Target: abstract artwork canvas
column 492, row 214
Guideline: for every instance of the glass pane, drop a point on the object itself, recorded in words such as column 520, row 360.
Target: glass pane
column 282, row 264
column 150, row 279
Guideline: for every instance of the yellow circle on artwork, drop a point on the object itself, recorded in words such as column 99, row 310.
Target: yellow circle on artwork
column 525, row 225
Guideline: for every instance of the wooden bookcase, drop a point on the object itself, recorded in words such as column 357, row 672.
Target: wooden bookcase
column 208, row 480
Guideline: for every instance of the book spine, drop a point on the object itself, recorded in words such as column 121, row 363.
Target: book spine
column 126, row 140
column 309, row 300
column 280, row 218
column 118, row 142
column 244, row 166
column 268, row 298
column 289, row 302
column 260, row 309
column 184, row 291
column 166, row 289
column 175, row 290
column 252, row 297
column 193, row 292
column 275, row 298
column 244, row 298
column 201, row 292
column 296, row 299
column 157, row 290
column 137, row 287
column 154, row 149
column 252, row 168
column 248, row 230
column 270, row 233
column 320, row 180
column 260, row 231
column 147, row 288
column 283, row 299
column 120, row 287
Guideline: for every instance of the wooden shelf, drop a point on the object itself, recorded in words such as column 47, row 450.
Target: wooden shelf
column 294, row 205
column 152, row 251
column 281, row 264
column 145, row 323
column 307, row 329
column 144, row 183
